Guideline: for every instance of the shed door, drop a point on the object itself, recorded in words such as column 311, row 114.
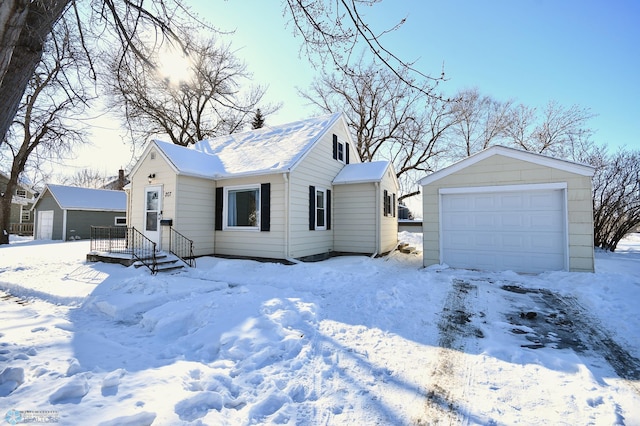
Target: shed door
column 45, row 225
column 522, row 231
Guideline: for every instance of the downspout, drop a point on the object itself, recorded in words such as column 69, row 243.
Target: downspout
column 378, row 220
column 64, row 224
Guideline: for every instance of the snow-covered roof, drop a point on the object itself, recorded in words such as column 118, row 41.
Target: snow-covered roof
column 271, row 149
column 362, row 173
column 76, row 198
column 532, row 157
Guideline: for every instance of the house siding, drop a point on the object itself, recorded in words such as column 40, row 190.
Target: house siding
column 389, row 224
column 355, row 218
column 317, row 169
column 253, row 243
column 501, row 170
column 195, row 218
column 164, row 177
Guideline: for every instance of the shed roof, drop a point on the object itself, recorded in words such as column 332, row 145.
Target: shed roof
column 362, row 172
column 271, row 149
column 77, row 198
column 532, row 157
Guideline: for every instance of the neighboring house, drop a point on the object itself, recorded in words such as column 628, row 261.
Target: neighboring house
column 294, row 191
column 68, row 212
column 21, row 219
column 117, row 183
column 506, row 209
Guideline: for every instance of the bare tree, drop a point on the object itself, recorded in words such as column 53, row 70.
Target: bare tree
column 337, row 31
column 480, row 122
column 42, row 126
column 87, row 178
column 206, row 100
column 551, row 133
column 390, row 119
column 616, row 196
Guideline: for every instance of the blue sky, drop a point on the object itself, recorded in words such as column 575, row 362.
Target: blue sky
column 534, row 51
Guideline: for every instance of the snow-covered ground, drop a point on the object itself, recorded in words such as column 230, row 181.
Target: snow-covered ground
column 350, row 340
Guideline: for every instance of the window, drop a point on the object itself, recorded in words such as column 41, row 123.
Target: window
column 25, row 216
column 121, row 221
column 321, row 209
column 340, row 150
column 242, row 207
column 389, row 204
column 21, row 193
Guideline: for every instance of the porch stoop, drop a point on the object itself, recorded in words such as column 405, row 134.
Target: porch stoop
column 165, row 262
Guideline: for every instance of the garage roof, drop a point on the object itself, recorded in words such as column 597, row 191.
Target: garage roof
column 76, row 198
column 543, row 160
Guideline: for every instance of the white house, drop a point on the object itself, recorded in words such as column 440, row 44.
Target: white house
column 294, row 191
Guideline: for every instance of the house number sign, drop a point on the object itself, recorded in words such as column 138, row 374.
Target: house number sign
column 167, row 194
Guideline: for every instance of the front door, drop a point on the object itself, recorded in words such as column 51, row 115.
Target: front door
column 152, row 212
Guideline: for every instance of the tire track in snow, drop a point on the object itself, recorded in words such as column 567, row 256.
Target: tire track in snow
column 453, row 374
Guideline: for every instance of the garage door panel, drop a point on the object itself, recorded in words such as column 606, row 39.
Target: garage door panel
column 521, row 231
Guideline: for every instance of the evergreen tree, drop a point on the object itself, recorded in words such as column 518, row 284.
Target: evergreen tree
column 258, row 120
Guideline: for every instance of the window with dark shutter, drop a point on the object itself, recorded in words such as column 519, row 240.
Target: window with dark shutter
column 328, row 209
column 265, row 207
column 335, row 147
column 312, row 207
column 218, row 208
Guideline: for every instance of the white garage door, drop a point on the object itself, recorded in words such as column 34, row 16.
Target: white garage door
column 45, row 225
column 522, row 231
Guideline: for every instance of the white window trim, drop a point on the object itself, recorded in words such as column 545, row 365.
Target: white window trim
column 324, row 191
column 225, row 208
column 115, row 221
column 341, row 152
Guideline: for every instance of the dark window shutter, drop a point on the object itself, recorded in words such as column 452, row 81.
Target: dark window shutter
column 335, row 147
column 265, row 207
column 328, row 209
column 218, row 208
column 312, row 208
column 393, row 206
column 346, row 147
column 386, row 202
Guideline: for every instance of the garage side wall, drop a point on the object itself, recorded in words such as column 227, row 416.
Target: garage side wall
column 500, row 170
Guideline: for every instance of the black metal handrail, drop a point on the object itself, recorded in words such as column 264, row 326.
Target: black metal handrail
column 130, row 241
column 181, row 247
column 143, row 249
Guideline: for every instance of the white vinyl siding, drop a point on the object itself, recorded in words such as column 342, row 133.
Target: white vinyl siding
column 354, row 220
column 264, row 244
column 195, row 218
column 317, row 169
column 164, row 176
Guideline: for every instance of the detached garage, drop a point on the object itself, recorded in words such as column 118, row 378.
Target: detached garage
column 68, row 212
column 506, row 209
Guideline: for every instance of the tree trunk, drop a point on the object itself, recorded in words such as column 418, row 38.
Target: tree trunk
column 22, row 47
column 5, row 211
column 13, row 14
